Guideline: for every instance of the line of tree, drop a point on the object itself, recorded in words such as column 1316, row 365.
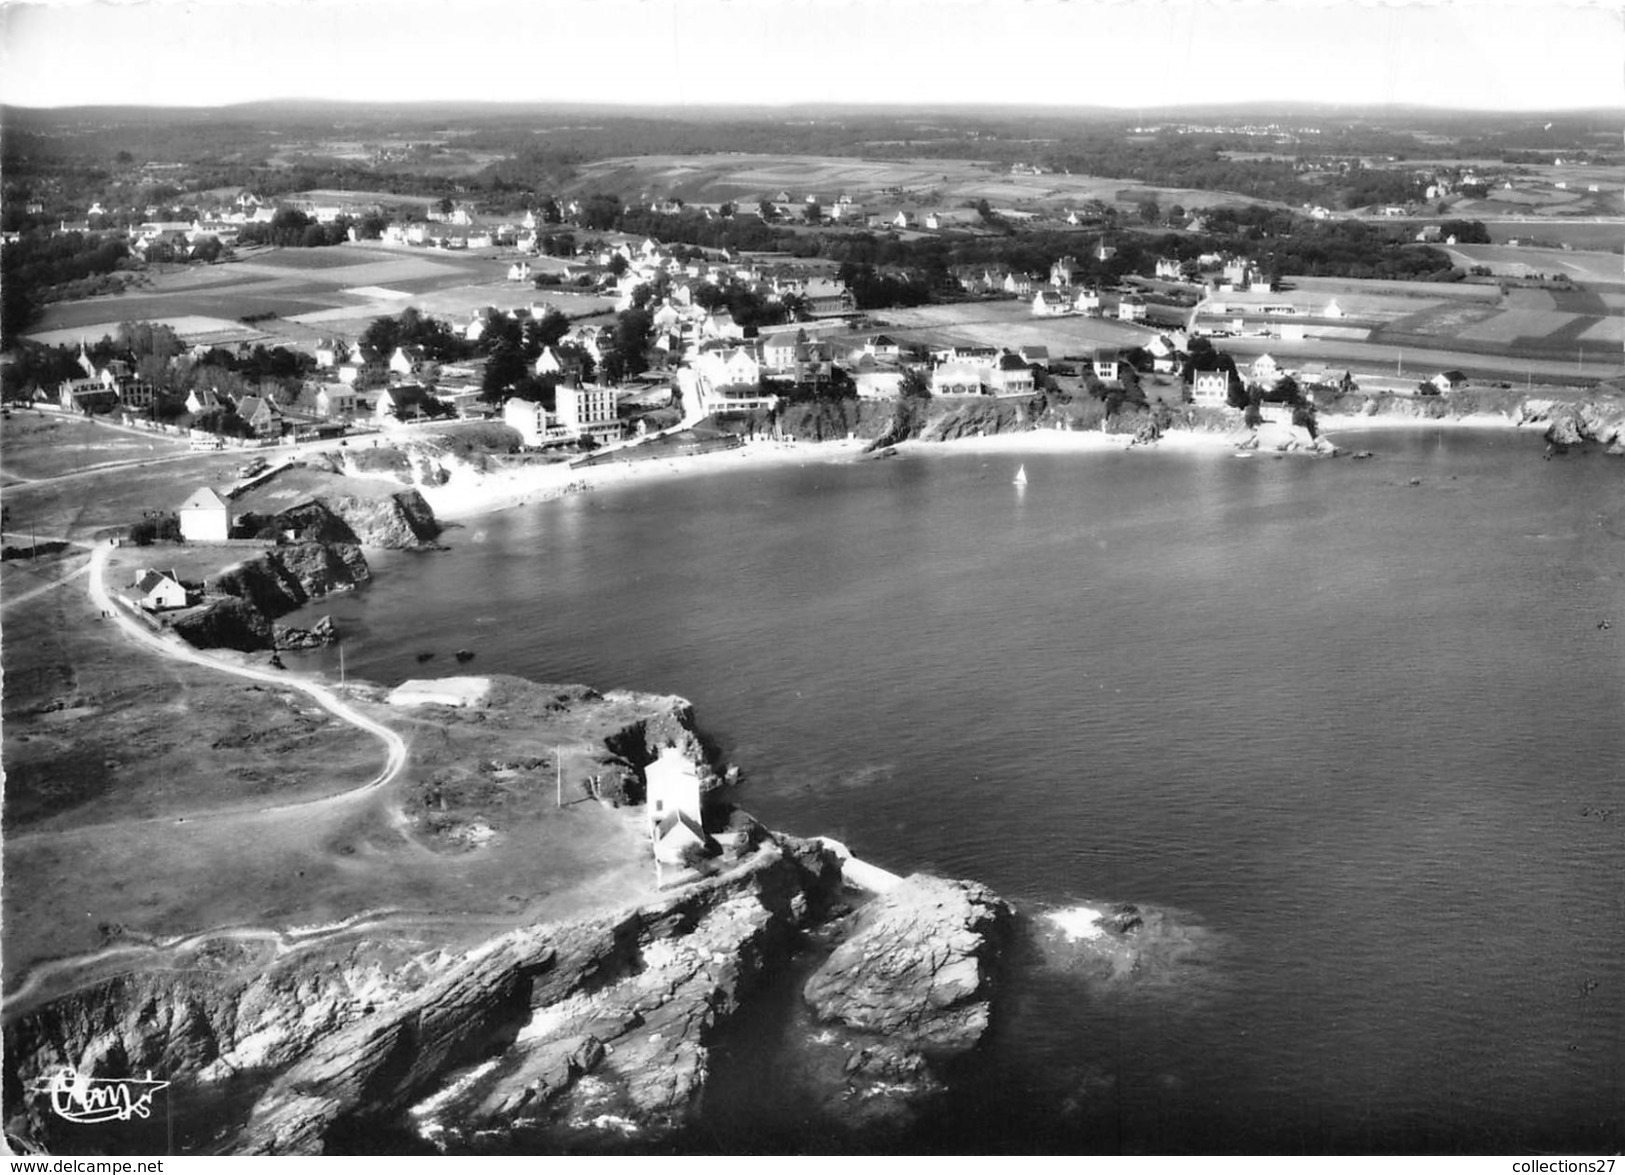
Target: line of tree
column 35, row 268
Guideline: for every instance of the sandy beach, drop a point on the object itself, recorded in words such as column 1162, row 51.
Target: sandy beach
column 468, row 494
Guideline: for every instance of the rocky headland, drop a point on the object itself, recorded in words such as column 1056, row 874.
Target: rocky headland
column 319, row 550
column 590, row 1035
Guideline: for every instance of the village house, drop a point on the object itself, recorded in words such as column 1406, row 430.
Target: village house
column 883, row 347
column 1131, row 309
column 406, row 361
column 960, row 377
column 403, row 403
column 362, row 370
column 1107, row 364
column 336, row 399
column 535, row 422
column 1168, row 268
column 330, row 352
column 158, row 591
column 200, row 400
column 1011, row 376
column 1449, row 381
column 1265, row 371
column 1050, row 304
column 728, row 368
column 554, row 362
column 263, row 416
column 1034, row 354
column 1211, row 389
column 205, row 517
column 824, row 296
column 1087, row 302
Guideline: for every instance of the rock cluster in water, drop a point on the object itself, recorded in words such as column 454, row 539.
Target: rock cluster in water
column 916, row 966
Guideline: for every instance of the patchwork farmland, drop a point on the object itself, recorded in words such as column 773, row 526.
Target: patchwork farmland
column 308, row 293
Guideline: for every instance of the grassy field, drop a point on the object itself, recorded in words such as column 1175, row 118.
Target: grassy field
column 137, row 793
column 1012, row 325
column 946, row 183
column 82, row 505
column 310, row 291
column 46, row 444
column 146, row 797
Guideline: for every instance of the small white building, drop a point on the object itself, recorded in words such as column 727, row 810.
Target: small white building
column 673, row 804
column 1211, row 388
column 534, row 422
column 160, row 590
column 337, row 399
column 205, row 517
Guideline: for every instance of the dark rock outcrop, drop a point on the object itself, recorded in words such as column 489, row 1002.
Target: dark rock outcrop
column 917, row 966
column 317, row 636
column 224, row 623
column 288, row 577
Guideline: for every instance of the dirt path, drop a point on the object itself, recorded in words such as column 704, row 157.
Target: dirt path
column 176, row 649
column 282, row 940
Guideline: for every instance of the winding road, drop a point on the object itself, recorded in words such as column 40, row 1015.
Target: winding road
column 175, row 648
column 281, row 940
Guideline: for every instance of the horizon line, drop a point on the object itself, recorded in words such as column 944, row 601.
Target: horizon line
column 763, row 105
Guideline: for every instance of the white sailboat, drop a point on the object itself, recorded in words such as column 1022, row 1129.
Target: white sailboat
column 1021, row 477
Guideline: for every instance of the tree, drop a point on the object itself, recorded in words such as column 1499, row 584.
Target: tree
column 633, row 330
column 445, row 206
column 505, row 367
column 545, row 331
column 914, row 385
column 618, row 265
column 382, row 336
column 766, row 211
column 1285, row 391
column 1150, row 212
column 813, row 213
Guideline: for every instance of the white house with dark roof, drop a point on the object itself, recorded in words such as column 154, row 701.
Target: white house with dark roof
column 1050, row 303
column 160, row 590
column 337, row 399
column 205, row 517
column 404, row 402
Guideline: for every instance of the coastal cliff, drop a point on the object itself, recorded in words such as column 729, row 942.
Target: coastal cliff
column 596, row 1034
column 247, row 597
column 325, row 557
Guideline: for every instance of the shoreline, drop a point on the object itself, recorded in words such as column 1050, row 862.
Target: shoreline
column 459, row 500
column 489, row 493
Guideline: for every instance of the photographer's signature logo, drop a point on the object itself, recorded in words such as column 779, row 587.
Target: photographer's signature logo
column 78, row 1098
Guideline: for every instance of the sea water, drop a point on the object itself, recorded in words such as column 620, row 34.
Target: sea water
column 1350, row 735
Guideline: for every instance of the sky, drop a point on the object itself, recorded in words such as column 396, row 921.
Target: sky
column 1476, row 54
